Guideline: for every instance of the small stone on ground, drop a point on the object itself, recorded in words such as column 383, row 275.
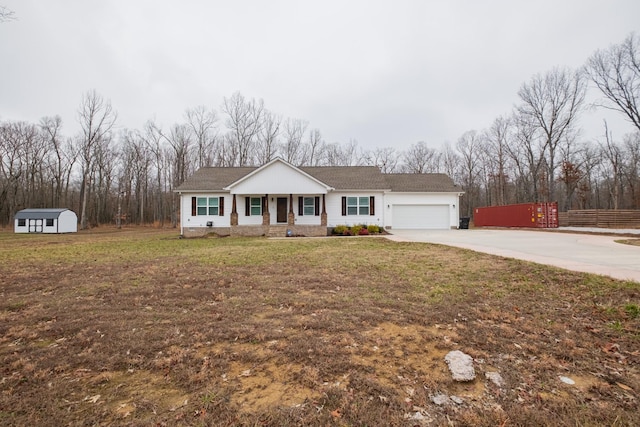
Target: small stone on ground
column 567, row 380
column 460, row 365
column 495, row 378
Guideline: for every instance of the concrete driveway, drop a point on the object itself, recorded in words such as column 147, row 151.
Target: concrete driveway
column 588, row 253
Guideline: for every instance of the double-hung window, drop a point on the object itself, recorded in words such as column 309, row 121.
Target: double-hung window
column 357, row 206
column 256, row 206
column 207, row 206
column 309, row 206
column 213, row 206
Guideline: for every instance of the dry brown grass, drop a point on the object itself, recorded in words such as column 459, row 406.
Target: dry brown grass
column 140, row 328
column 632, row 242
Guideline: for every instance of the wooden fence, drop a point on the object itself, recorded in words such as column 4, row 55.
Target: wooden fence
column 601, row 218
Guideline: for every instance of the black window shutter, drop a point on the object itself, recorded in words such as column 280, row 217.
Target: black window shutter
column 317, row 205
column 372, row 205
column 193, row 207
column 247, row 206
column 344, row 206
column 221, row 206
column 264, row 204
column 300, row 206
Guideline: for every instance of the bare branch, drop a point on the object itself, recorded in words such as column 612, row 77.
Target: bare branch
column 6, row 14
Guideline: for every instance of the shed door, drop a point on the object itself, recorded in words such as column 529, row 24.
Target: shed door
column 35, row 226
column 433, row 217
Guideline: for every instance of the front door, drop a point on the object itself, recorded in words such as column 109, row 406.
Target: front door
column 282, row 209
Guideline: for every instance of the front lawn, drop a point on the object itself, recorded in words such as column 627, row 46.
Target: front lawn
column 138, row 327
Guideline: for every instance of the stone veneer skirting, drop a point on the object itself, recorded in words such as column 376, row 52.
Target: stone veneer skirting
column 258, row 231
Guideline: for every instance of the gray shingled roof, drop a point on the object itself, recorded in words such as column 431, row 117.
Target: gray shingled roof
column 349, row 177
column 214, row 179
column 39, row 213
column 421, row 182
column 338, row 177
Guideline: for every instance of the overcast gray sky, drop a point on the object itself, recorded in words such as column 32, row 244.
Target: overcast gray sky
column 385, row 73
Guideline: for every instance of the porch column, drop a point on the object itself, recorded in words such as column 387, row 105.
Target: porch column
column 234, row 212
column 323, row 215
column 266, row 216
column 291, row 217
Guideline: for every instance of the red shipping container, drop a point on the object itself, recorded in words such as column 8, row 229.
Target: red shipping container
column 530, row 215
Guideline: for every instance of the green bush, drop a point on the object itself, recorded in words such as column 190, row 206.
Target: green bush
column 340, row 229
column 356, row 230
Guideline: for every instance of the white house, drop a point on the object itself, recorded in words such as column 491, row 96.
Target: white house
column 46, row 221
column 278, row 198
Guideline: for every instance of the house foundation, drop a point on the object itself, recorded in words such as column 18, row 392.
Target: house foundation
column 258, row 231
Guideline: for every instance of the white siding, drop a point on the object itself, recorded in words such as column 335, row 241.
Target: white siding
column 305, row 219
column 334, row 209
column 187, row 220
column 18, row 229
column 67, row 222
column 279, row 178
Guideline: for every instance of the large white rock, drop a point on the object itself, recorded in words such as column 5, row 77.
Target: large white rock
column 460, row 365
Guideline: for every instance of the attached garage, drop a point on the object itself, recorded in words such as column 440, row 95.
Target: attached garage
column 430, row 217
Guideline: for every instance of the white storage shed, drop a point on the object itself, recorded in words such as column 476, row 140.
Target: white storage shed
column 46, row 221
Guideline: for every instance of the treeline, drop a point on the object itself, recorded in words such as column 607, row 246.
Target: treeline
column 533, row 153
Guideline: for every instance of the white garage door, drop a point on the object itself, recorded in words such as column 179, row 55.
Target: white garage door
column 435, row 217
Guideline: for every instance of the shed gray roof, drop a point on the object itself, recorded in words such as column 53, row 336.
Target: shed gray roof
column 209, row 179
column 40, row 213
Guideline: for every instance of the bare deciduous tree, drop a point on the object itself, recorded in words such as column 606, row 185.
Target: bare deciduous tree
column 527, row 157
column 469, row 146
column 386, row 159
column 61, row 160
column 6, row 14
column 613, row 155
column 420, row 159
column 244, row 121
column 267, row 146
column 153, row 138
column 632, row 167
column 96, row 118
column 340, row 155
column 553, row 101
column 497, row 138
column 616, row 72
column 293, row 150
column 316, row 147
column 202, row 123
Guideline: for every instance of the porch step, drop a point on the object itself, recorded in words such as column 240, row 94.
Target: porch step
column 277, row 231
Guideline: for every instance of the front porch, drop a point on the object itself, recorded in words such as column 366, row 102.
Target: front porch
column 258, row 220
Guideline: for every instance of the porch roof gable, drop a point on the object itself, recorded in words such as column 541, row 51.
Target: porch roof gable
column 278, row 177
